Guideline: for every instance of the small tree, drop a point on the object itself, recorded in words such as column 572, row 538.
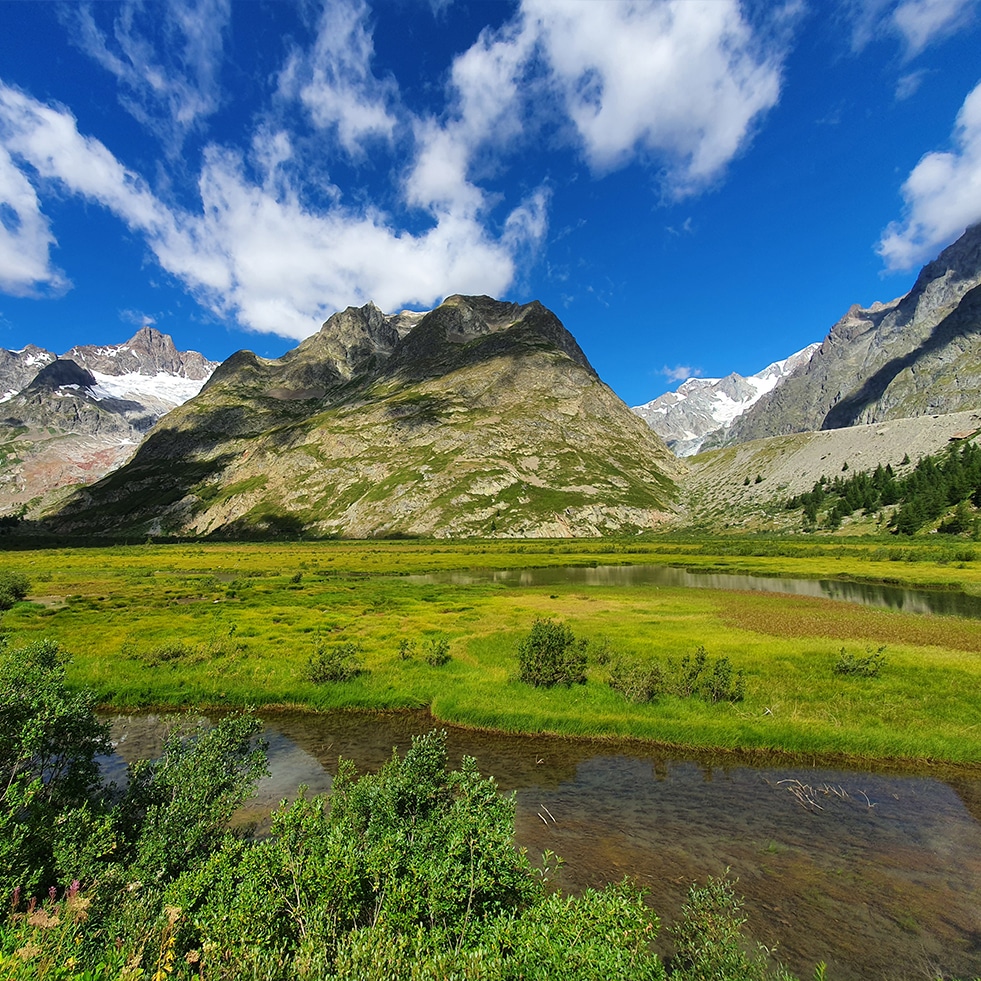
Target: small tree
column 550, row 655
column 49, row 740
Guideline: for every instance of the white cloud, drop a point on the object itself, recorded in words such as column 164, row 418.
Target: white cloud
column 908, row 85
column 680, row 80
column 334, row 80
column 25, row 236
column 918, row 23
column 167, row 66
column 255, row 252
column 942, row 194
column 922, row 22
column 681, row 372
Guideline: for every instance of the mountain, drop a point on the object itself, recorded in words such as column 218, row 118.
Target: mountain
column 701, row 410
column 18, row 368
column 917, row 355
column 480, row 417
column 70, row 420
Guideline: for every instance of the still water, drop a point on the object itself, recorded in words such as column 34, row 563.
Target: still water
column 936, row 601
column 878, row 873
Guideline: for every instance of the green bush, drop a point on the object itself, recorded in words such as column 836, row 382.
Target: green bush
column 851, row 665
column 637, row 682
column 722, row 685
column 338, row 662
column 709, row 941
column 49, row 777
column 551, row 655
column 14, row 586
column 437, row 651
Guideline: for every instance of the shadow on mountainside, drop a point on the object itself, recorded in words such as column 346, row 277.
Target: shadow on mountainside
column 965, row 319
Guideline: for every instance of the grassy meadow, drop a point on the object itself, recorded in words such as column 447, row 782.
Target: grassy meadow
column 237, row 624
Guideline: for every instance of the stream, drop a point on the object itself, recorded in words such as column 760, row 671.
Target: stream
column 875, row 872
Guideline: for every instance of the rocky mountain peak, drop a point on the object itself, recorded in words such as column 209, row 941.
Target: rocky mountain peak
column 61, row 373
column 148, row 352
column 701, row 410
column 916, row 355
column 478, row 417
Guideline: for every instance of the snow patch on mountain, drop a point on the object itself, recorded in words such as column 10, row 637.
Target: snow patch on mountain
column 161, row 387
column 701, row 408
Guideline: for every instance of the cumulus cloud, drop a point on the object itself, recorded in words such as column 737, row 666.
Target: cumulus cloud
column 679, row 84
column 25, row 236
column 166, row 60
column 254, row 251
column 942, row 194
column 334, row 80
column 681, row 80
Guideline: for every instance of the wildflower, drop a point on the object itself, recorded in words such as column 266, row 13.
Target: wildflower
column 43, row 919
column 29, row 951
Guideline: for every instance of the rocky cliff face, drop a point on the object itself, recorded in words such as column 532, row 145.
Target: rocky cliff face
column 918, row 355
column 478, row 418
column 70, row 420
column 700, row 412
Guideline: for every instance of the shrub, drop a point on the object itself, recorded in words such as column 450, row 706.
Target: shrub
column 688, row 673
column 437, row 651
column 339, row 662
column 709, row 941
column 722, row 685
column 14, row 587
column 868, row 666
column 551, row 655
column 49, row 740
column 637, row 682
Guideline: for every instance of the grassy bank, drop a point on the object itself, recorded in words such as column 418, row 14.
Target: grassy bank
column 238, row 625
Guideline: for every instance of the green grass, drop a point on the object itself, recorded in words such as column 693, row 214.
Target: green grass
column 243, row 631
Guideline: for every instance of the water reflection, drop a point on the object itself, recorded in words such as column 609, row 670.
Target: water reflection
column 940, row 602
column 877, row 873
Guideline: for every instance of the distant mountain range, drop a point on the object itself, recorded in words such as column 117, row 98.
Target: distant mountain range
column 478, row 418
column 70, row 420
column 701, row 410
column 918, row 355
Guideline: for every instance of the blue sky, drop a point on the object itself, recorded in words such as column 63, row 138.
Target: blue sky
column 693, row 187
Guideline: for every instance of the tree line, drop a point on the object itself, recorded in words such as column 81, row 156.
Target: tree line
column 937, row 484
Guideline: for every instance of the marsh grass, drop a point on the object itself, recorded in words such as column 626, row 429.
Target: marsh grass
column 233, row 624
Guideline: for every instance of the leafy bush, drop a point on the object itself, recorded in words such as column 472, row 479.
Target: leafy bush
column 339, row 662
column 722, row 685
column 644, row 682
column 709, row 941
column 551, row 655
column 688, row 673
column 869, row 666
column 637, row 682
column 14, row 586
column 437, row 651
column 49, row 740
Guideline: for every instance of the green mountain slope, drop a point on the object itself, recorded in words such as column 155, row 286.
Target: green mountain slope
column 478, row 418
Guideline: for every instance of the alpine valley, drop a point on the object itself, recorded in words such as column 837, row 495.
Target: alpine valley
column 485, row 418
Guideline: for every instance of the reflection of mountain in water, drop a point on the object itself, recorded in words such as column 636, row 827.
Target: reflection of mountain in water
column 938, row 602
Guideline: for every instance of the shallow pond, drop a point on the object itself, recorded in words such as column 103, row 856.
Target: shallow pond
column 878, row 873
column 936, row 601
